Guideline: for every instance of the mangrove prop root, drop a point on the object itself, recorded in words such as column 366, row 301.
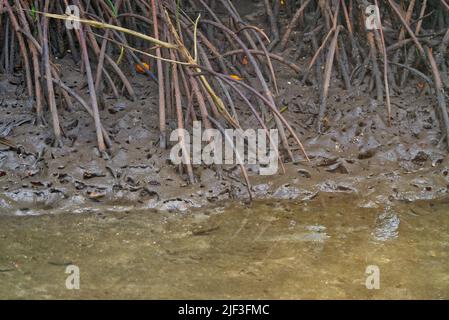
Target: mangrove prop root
column 193, row 49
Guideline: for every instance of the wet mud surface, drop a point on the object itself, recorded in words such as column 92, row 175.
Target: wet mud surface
column 357, row 154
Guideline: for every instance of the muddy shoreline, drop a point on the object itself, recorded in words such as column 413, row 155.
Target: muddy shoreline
column 357, row 154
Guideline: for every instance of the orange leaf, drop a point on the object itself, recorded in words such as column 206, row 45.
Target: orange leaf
column 235, row 77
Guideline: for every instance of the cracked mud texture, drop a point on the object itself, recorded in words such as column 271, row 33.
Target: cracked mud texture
column 357, row 153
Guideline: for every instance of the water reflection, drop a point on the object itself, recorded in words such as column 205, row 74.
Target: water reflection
column 387, row 225
column 272, row 250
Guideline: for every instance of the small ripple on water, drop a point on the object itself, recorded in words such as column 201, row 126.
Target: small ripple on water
column 387, row 226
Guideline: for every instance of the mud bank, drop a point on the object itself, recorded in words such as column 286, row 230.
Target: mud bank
column 356, row 154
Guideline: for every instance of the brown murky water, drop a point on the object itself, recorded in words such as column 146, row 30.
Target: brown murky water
column 289, row 250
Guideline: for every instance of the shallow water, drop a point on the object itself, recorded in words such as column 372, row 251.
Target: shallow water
column 289, row 250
